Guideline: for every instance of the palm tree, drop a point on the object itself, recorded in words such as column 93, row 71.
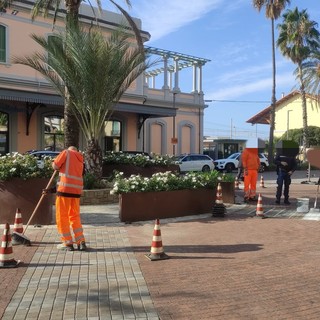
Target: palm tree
column 71, row 127
column 298, row 38
column 95, row 71
column 273, row 12
column 311, row 74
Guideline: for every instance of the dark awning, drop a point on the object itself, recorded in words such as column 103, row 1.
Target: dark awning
column 149, row 111
column 49, row 99
column 28, row 96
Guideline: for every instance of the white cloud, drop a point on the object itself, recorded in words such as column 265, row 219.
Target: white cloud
column 161, row 17
column 285, row 80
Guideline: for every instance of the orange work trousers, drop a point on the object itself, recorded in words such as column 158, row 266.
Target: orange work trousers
column 68, row 216
column 250, row 183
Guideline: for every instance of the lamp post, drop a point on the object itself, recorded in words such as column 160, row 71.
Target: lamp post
column 288, row 111
column 174, row 125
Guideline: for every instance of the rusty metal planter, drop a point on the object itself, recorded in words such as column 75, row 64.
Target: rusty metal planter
column 141, row 206
column 25, row 194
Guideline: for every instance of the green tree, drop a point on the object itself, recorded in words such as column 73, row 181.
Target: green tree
column 311, row 74
column 71, row 130
column 298, row 38
column 273, row 11
column 96, row 71
column 297, row 136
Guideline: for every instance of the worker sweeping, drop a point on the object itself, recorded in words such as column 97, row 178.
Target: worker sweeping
column 250, row 164
column 69, row 163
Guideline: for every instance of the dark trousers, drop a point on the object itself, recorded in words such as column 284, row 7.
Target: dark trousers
column 283, row 181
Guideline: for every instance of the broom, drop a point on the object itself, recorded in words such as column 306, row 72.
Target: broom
column 20, row 238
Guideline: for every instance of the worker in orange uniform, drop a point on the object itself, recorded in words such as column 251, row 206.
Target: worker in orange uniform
column 69, row 163
column 250, row 164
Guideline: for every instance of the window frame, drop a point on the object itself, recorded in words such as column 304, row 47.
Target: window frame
column 4, row 50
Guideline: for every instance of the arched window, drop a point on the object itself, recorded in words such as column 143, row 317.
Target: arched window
column 3, row 43
column 4, row 133
column 53, row 132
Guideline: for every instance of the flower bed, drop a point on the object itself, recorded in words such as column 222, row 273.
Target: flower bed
column 168, row 194
column 141, row 206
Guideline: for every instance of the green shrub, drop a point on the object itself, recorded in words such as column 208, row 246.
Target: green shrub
column 16, row 165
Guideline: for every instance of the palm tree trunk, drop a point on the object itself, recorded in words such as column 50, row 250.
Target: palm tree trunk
column 304, row 113
column 93, row 159
column 273, row 97
column 71, row 129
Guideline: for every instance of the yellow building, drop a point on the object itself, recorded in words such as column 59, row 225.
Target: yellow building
column 289, row 113
column 162, row 120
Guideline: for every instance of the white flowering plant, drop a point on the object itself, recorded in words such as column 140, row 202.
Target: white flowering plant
column 139, row 159
column 24, row 166
column 167, row 181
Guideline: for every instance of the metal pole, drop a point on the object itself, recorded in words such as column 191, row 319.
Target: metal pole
column 174, row 124
column 288, row 111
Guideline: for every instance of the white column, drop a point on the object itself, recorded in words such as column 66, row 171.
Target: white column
column 170, row 79
column 165, row 72
column 176, row 75
column 200, row 78
column 194, row 82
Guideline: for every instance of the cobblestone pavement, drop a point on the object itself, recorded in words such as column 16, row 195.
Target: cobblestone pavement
column 236, row 267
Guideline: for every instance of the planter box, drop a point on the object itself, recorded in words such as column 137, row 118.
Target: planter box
column 128, row 170
column 141, row 206
column 25, row 194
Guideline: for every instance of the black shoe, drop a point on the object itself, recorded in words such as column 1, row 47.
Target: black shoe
column 286, row 202
column 82, row 246
column 277, row 201
column 253, row 199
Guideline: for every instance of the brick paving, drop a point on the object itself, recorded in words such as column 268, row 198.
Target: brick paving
column 236, row 267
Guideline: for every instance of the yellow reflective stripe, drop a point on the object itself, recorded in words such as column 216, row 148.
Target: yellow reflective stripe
column 69, row 176
column 75, row 186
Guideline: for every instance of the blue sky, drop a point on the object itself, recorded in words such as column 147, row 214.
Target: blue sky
column 237, row 40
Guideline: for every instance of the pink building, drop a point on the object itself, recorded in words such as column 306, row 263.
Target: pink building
column 162, row 120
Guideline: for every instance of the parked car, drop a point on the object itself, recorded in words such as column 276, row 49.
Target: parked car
column 43, row 153
column 195, row 162
column 231, row 163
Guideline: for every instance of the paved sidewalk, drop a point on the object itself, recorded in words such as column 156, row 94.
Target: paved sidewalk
column 237, row 267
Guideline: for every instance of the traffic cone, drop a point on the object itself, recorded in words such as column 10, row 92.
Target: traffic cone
column 156, row 252
column 259, row 211
column 18, row 226
column 262, row 182
column 17, row 236
column 219, row 209
column 6, row 252
column 236, row 184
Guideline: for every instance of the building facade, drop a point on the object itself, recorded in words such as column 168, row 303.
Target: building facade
column 152, row 117
column 289, row 113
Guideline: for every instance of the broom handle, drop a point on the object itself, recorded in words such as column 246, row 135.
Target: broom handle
column 39, row 202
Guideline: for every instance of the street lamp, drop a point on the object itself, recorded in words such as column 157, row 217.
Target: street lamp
column 288, row 111
column 174, row 139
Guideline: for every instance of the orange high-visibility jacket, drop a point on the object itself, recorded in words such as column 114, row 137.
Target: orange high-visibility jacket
column 250, row 159
column 70, row 164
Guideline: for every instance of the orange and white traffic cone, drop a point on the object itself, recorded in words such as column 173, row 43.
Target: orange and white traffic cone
column 259, row 211
column 6, row 252
column 156, row 252
column 17, row 236
column 18, row 226
column 219, row 209
column 236, row 183
column 262, row 182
